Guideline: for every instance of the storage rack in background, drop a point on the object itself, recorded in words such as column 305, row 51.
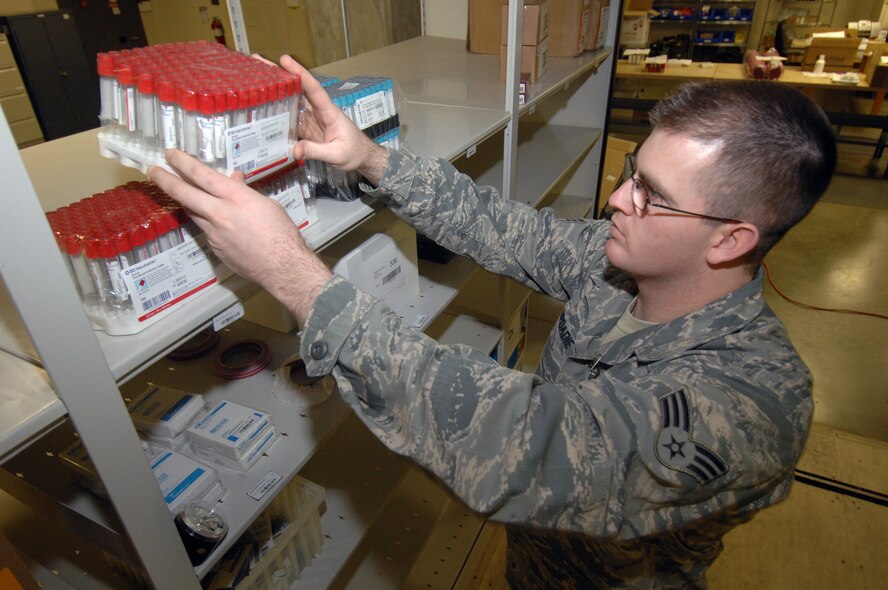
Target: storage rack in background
column 546, row 152
column 715, row 31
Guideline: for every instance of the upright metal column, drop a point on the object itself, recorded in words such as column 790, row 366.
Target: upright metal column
column 45, row 296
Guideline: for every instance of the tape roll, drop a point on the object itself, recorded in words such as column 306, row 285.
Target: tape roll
column 199, row 345
column 242, row 359
column 294, row 387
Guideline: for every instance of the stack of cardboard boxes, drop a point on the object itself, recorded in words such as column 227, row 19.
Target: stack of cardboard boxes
column 552, row 28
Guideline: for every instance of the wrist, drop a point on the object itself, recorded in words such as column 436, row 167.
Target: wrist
column 375, row 163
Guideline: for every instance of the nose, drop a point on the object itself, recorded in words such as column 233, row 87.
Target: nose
column 621, row 199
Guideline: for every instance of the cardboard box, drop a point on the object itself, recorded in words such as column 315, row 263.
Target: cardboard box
column 567, row 28
column 594, row 8
column 603, row 24
column 614, row 157
column 871, row 56
column 17, row 107
column 635, row 30
column 7, row 60
column 536, row 22
column 11, row 82
column 485, row 27
column 638, row 5
column 14, row 573
column 840, row 54
column 534, row 60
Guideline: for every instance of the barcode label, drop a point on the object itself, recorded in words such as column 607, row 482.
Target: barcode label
column 195, row 253
column 246, row 166
column 273, row 136
column 155, row 301
column 391, row 276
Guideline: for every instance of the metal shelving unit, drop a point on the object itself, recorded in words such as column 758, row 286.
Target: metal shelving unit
column 731, row 18
column 60, row 375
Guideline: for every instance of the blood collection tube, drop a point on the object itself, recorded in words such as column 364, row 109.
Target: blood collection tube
column 226, row 103
column 149, row 231
column 241, row 115
column 107, row 89
column 85, row 285
column 96, row 251
column 166, row 94
column 147, row 110
column 127, row 94
column 188, row 108
column 206, row 112
column 253, row 110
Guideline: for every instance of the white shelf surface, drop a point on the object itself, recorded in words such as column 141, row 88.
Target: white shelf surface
column 30, row 406
column 439, row 71
column 546, row 155
column 446, row 131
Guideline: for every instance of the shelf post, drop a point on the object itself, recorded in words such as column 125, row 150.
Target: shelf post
column 44, row 293
column 513, row 75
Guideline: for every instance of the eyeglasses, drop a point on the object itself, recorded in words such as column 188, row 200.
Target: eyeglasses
column 642, row 191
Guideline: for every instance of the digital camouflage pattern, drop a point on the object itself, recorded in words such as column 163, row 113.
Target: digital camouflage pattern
column 617, row 465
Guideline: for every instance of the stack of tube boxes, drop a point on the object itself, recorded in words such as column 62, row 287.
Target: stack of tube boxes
column 134, row 255
column 370, row 103
column 230, row 111
column 181, row 479
column 162, row 415
column 232, row 435
column 291, row 189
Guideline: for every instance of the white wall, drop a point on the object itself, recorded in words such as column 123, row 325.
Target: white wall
column 446, row 18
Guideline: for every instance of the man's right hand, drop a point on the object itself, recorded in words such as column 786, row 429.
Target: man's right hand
column 329, row 136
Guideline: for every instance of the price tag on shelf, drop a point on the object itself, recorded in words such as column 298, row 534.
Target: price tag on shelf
column 235, row 312
column 264, row 486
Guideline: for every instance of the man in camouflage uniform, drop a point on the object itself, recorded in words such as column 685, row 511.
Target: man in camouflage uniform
column 669, row 405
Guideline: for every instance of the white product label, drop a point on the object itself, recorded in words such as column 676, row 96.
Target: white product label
column 131, row 109
column 371, row 109
column 349, row 86
column 291, row 199
column 419, row 320
column 235, row 312
column 168, row 125
column 265, row 485
column 163, row 280
column 219, row 127
column 207, row 142
column 258, row 146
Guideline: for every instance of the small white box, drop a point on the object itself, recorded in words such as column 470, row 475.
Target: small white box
column 182, row 479
column 245, row 461
column 383, row 267
column 229, row 429
column 165, row 412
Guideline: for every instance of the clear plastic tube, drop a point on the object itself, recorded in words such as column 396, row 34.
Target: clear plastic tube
column 190, row 137
column 166, row 93
column 147, row 110
column 206, row 141
column 127, row 90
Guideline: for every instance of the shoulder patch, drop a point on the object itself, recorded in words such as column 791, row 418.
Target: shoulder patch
column 675, row 446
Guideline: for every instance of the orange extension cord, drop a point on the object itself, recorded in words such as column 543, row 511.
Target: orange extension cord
column 814, row 307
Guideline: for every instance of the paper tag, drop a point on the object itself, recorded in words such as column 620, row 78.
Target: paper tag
column 235, row 312
column 419, row 320
column 167, row 278
column 371, row 109
column 255, row 147
column 293, row 202
column 264, row 486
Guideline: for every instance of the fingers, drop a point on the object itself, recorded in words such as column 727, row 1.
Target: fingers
column 258, row 57
column 314, row 92
column 194, row 200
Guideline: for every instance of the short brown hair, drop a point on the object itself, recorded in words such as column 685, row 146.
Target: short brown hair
column 777, row 150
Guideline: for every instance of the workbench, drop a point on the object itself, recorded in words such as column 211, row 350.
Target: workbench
column 792, row 76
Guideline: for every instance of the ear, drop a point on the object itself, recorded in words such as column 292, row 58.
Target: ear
column 732, row 242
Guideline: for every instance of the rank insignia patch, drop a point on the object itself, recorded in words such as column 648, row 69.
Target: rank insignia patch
column 675, row 446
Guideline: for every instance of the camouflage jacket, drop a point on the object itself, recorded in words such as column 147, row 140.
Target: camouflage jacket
column 617, row 465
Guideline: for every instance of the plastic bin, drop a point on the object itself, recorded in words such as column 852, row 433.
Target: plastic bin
column 299, row 503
